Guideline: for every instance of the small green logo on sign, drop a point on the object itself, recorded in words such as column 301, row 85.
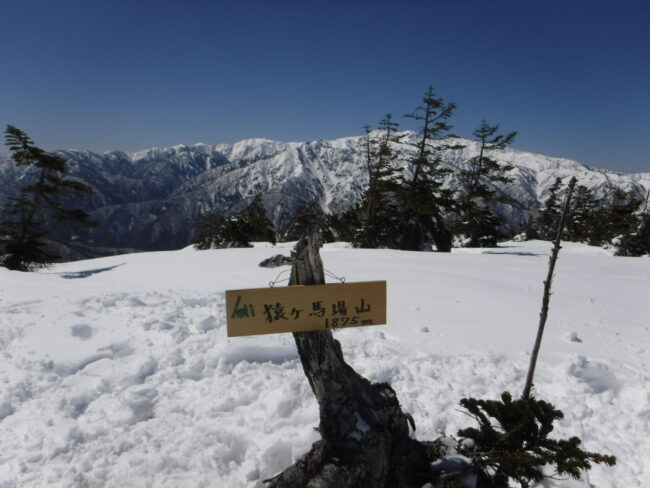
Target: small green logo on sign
column 242, row 311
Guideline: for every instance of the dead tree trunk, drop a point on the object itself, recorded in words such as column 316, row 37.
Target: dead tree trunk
column 365, row 435
column 546, row 298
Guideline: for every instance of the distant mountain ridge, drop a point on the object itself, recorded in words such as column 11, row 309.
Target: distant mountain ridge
column 153, row 199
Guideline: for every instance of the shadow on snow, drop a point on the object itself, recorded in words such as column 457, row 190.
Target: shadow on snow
column 88, row 272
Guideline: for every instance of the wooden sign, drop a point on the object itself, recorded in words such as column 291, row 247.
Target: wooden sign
column 303, row 308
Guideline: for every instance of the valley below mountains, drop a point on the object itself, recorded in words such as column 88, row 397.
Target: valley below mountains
column 154, row 199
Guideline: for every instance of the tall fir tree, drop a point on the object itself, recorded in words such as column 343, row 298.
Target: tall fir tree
column 581, row 218
column 23, row 232
column 378, row 214
column 623, row 209
column 477, row 221
column 544, row 225
column 424, row 202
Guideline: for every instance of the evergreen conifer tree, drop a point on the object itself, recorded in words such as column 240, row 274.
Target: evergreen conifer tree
column 308, row 219
column 615, row 217
column 252, row 224
column 637, row 243
column 623, row 217
column 345, row 225
column 512, row 442
column 477, row 221
column 261, row 227
column 378, row 209
column 423, row 199
column 23, row 231
column 545, row 225
column 217, row 232
column 581, row 218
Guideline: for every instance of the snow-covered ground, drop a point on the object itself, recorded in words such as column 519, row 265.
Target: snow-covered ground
column 117, row 372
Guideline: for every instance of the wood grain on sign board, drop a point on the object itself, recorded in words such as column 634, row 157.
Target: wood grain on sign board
column 303, row 308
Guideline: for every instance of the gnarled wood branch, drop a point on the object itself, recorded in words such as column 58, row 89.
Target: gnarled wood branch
column 365, row 435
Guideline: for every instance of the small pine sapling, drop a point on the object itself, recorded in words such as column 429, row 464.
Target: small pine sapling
column 511, row 442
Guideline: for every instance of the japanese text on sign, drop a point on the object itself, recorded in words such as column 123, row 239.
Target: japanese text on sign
column 304, row 308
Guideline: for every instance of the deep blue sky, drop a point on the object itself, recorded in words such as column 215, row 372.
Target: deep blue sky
column 572, row 76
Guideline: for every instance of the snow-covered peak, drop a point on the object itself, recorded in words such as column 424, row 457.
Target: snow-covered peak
column 153, row 199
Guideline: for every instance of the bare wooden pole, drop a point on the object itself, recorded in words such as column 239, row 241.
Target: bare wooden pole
column 547, row 290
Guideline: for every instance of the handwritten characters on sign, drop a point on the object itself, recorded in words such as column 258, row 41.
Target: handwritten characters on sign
column 300, row 308
column 336, row 316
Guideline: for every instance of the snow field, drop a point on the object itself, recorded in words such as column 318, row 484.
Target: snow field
column 117, row 371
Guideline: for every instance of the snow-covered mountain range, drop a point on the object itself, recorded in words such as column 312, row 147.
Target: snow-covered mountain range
column 153, row 199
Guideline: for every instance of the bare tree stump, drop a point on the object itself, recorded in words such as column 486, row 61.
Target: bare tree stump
column 365, row 435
